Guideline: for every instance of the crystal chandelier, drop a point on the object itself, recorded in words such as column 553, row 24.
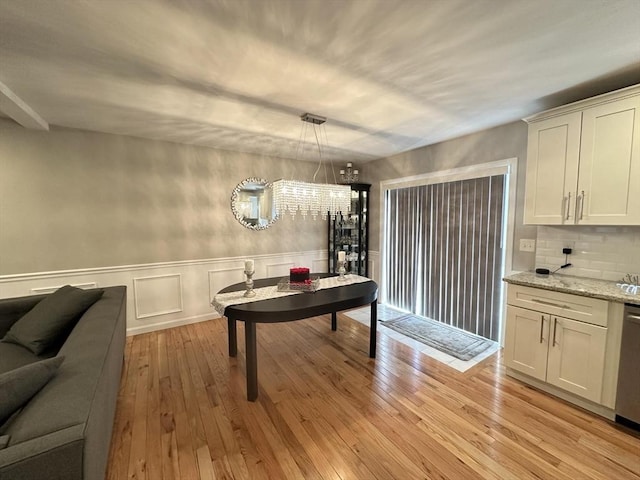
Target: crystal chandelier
column 350, row 175
column 322, row 199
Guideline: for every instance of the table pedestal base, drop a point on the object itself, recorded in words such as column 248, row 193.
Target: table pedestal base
column 252, row 351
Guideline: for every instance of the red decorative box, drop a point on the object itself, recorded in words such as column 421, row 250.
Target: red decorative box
column 299, row 275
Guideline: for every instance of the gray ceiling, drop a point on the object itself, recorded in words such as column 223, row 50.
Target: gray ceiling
column 389, row 75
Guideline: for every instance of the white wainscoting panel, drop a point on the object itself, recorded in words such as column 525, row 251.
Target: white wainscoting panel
column 41, row 290
column 374, row 267
column 223, row 277
column 157, row 295
column 164, row 295
column 279, row 269
column 319, row 265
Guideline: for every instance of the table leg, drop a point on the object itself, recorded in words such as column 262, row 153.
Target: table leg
column 232, row 334
column 334, row 321
column 373, row 329
column 252, row 360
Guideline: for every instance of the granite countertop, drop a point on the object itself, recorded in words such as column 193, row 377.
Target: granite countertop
column 587, row 287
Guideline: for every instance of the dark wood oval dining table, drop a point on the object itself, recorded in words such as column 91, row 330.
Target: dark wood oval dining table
column 290, row 308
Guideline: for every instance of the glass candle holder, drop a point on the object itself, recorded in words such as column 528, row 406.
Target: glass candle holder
column 249, row 284
column 341, row 271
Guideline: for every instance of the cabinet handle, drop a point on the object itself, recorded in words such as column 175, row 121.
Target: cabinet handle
column 544, row 302
column 541, row 326
column 581, row 197
column 555, row 324
column 567, row 206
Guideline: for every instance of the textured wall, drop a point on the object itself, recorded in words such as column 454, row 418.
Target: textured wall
column 76, row 199
column 506, row 141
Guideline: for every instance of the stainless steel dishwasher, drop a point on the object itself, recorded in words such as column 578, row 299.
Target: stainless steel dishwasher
column 628, row 394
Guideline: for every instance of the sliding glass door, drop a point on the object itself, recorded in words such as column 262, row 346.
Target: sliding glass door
column 442, row 255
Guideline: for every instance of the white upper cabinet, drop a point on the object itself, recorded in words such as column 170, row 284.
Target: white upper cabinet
column 583, row 162
column 609, row 174
column 552, row 176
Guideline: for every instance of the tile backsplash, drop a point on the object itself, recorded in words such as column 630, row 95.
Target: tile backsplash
column 608, row 253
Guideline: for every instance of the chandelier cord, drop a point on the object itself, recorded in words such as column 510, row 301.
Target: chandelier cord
column 320, row 154
column 326, row 141
column 321, row 163
column 300, row 148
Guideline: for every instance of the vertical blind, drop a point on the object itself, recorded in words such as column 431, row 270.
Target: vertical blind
column 443, row 257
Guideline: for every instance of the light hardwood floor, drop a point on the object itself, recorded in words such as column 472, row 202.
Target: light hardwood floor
column 327, row 411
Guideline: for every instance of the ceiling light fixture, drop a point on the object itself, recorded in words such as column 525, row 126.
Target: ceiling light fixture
column 350, row 175
column 312, row 198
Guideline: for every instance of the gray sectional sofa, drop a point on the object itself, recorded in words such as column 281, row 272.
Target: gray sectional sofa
column 64, row 431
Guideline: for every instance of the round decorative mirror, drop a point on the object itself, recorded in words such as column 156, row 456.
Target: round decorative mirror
column 252, row 203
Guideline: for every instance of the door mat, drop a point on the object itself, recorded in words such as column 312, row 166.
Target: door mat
column 447, row 339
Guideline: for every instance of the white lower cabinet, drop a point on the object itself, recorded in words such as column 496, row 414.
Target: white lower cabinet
column 561, row 351
column 576, row 357
column 526, row 346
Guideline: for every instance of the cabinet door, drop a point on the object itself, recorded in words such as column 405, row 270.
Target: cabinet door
column 526, row 341
column 609, row 175
column 576, row 357
column 552, row 170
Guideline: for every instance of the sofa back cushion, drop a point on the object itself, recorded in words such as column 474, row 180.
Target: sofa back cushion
column 13, row 356
column 52, row 318
column 19, row 385
column 12, row 309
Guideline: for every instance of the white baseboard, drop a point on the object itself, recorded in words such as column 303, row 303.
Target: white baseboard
column 172, row 323
column 168, row 294
column 569, row 397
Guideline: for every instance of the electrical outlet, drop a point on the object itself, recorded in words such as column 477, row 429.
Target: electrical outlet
column 527, row 245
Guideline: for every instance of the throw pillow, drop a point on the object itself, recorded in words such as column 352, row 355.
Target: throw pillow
column 51, row 318
column 4, row 441
column 20, row 385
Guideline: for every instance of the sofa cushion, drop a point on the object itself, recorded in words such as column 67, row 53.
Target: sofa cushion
column 52, row 318
column 4, row 441
column 13, row 356
column 19, row 385
column 12, row 309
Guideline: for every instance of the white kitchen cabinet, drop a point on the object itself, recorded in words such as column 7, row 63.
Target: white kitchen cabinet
column 609, row 175
column 583, row 162
column 576, row 357
column 552, row 170
column 526, row 345
column 566, row 352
